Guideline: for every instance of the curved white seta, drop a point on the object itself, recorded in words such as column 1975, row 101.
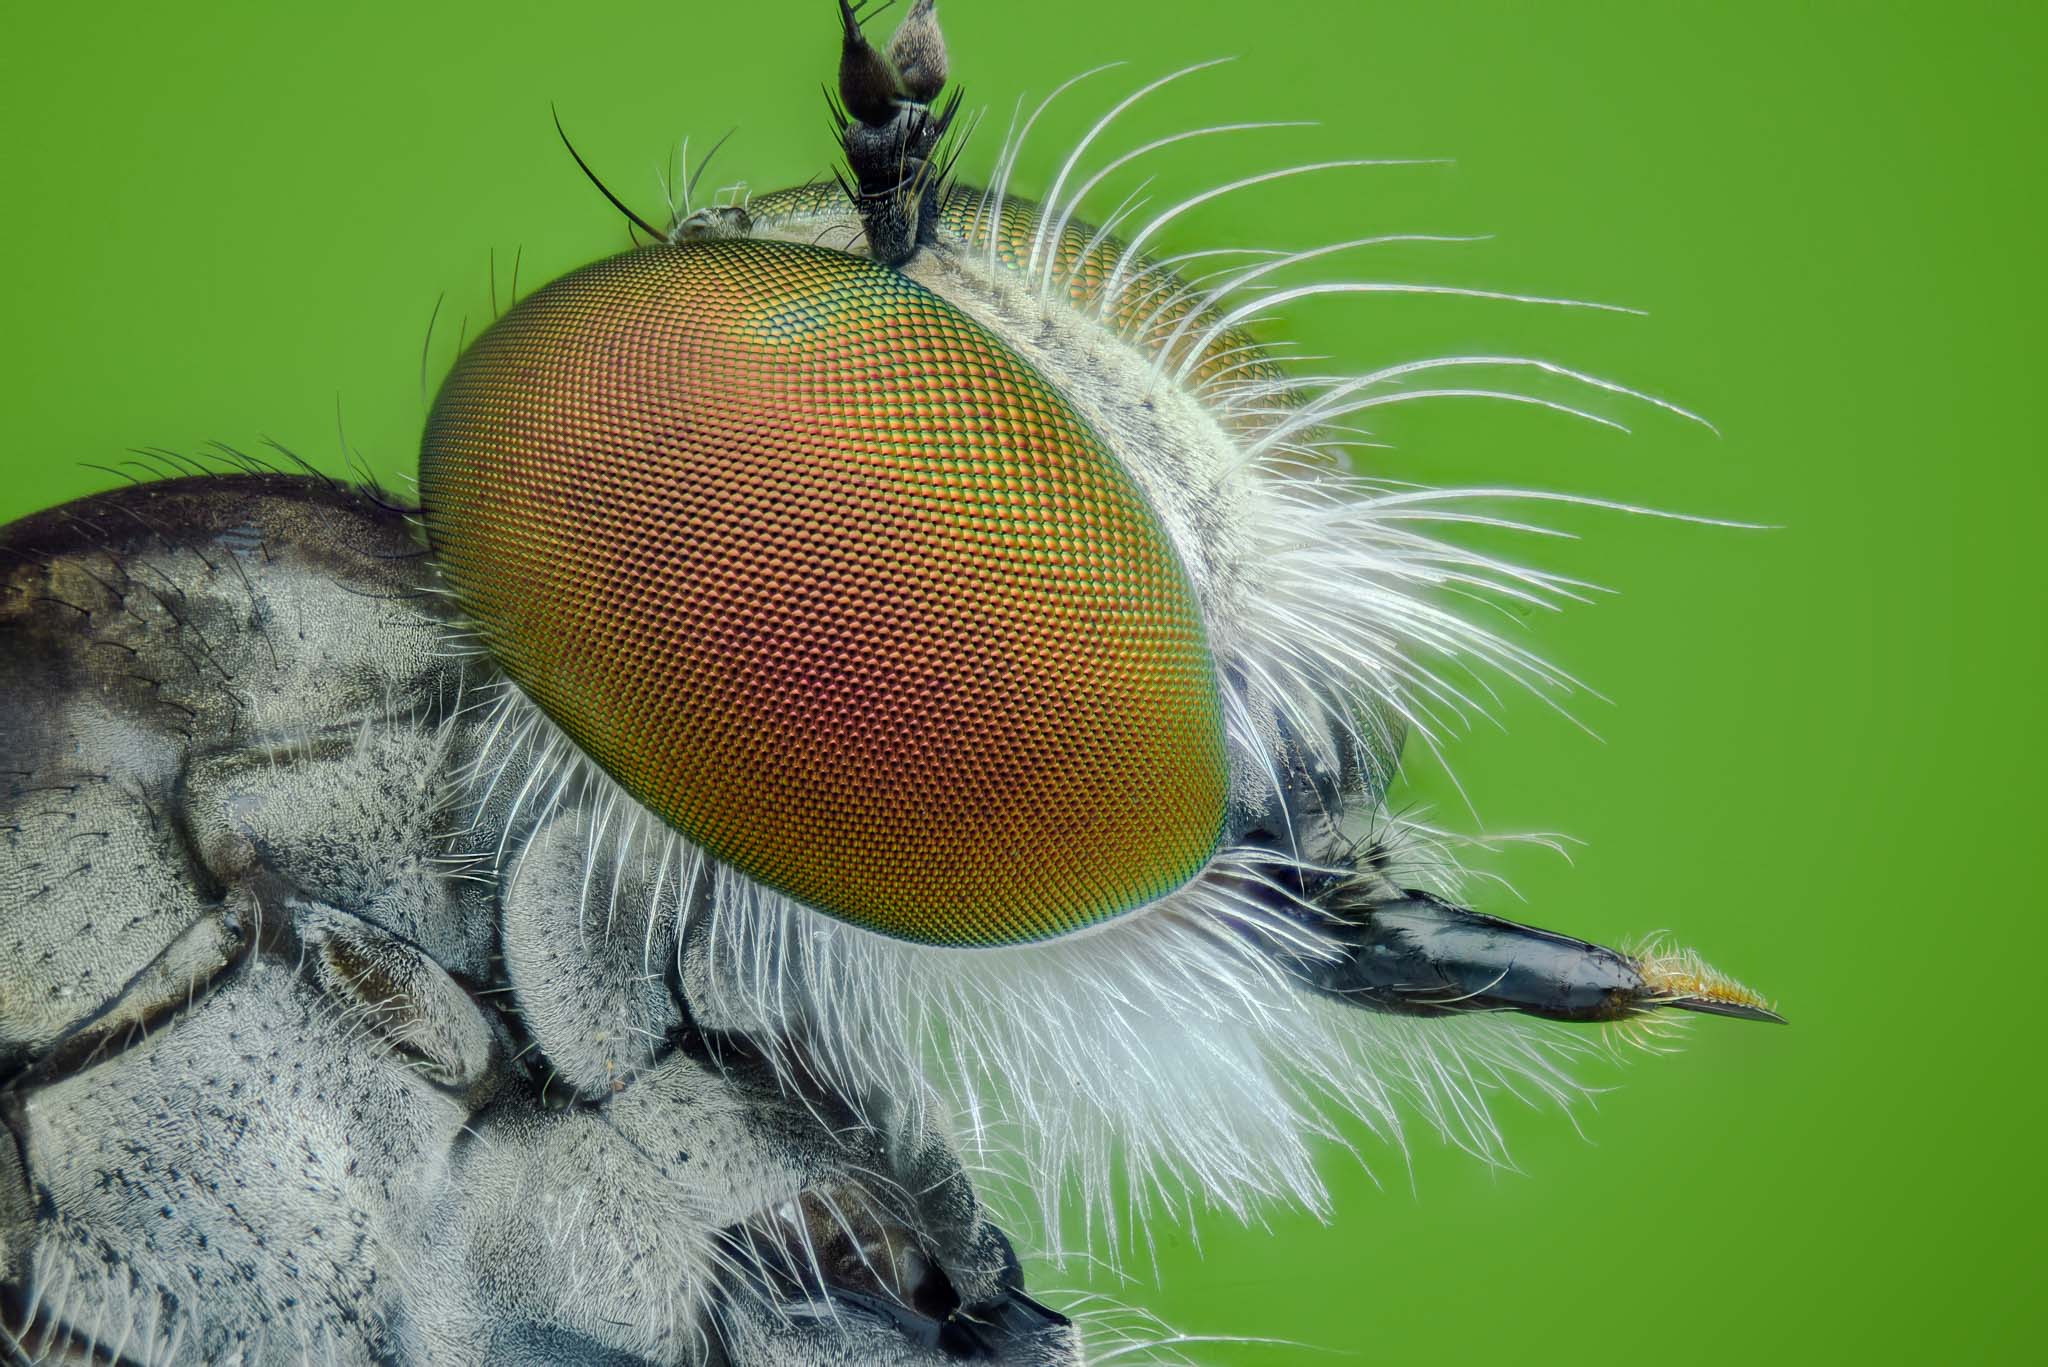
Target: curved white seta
column 1088, row 186
column 1006, row 161
column 1136, row 245
column 1259, row 272
column 1052, row 196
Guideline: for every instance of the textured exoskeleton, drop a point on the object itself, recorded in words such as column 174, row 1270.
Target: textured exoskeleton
column 284, row 1082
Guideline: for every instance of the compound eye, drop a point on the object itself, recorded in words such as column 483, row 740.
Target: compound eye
column 832, row 580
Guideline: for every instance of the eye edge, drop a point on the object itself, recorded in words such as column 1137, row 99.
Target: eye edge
column 480, row 491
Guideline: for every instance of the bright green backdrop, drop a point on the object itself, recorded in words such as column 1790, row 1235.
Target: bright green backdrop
column 227, row 221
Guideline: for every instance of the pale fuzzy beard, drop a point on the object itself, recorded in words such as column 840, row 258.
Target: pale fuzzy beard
column 1162, row 1064
column 1165, row 1062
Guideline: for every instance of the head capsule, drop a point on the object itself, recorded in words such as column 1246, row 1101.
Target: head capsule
column 832, row 580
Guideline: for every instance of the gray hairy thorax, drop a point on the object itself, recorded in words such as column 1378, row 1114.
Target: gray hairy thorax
column 286, row 1073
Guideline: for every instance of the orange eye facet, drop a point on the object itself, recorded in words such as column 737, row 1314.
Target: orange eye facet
column 837, row 584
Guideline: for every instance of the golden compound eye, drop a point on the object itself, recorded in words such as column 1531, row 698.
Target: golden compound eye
column 833, row 581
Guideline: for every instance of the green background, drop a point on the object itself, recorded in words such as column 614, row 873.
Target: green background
column 231, row 221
